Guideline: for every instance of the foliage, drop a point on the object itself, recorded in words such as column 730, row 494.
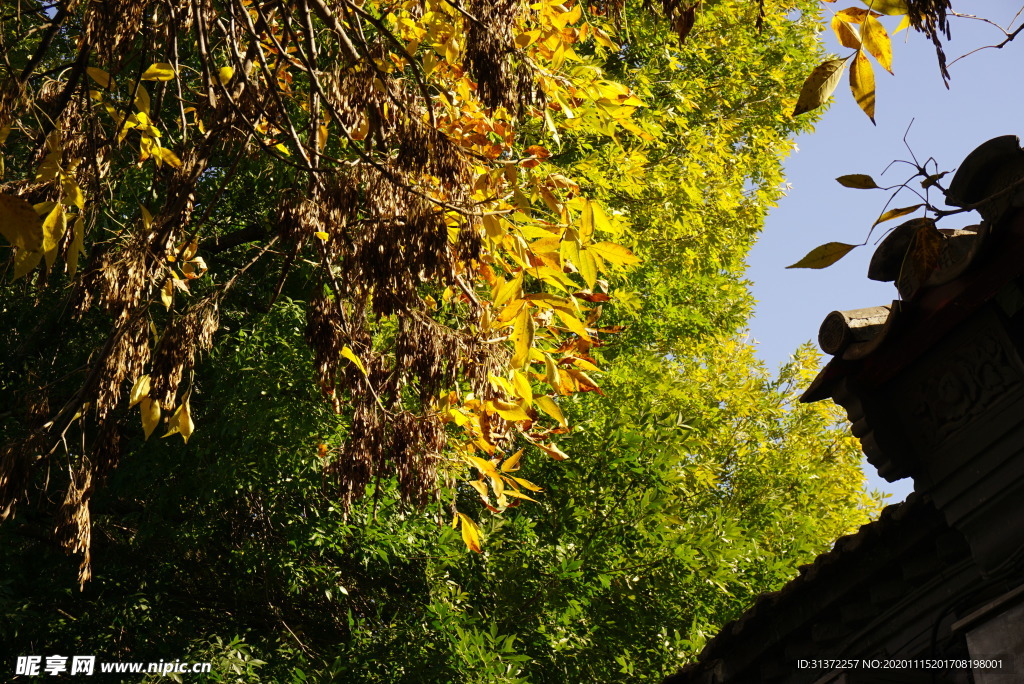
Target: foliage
column 448, row 263
column 695, row 485
column 692, row 483
column 860, row 29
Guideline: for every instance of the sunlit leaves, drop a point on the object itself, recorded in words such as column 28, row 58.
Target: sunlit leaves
column 859, row 29
column 876, row 41
column 614, row 254
column 819, row 86
column 150, row 415
column 470, row 532
column 846, row 34
column 522, row 337
column 161, row 71
column 862, row 84
column 140, row 390
column 824, row 255
column 180, row 421
column 887, row 6
column 347, row 353
column 548, row 405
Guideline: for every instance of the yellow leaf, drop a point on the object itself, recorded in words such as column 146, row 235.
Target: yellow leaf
column 150, row 415
column 19, row 223
column 819, row 85
column 508, row 411
column 161, row 71
column 167, row 293
column 614, row 254
column 25, row 261
column 140, row 390
column 892, row 7
column 484, row 466
column 824, row 255
column 522, row 387
column 481, row 489
column 147, row 218
column 99, row 75
column 548, row 405
column 553, row 451
column 574, row 324
column 588, row 267
column 526, row 483
column 586, row 222
column 71, row 193
column 322, row 235
column 845, row 34
column 76, row 248
column 351, row 356
column 526, row 39
column 876, row 41
column 142, row 100
column 225, row 74
column 551, row 373
column 513, row 288
column 862, row 84
column 855, row 15
column 896, row 213
column 54, row 226
column 181, row 422
column 518, row 495
column 904, row 24
column 522, row 337
column 470, row 533
column 501, row 384
column 511, row 464
column 168, row 157
column 321, row 136
column 602, row 38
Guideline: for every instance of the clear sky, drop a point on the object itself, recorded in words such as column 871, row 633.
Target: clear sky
column 984, row 100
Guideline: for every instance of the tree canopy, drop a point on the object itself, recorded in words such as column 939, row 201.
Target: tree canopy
column 406, row 279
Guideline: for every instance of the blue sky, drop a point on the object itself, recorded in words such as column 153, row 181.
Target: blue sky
column 984, row 100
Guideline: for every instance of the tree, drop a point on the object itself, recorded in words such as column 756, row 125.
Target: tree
column 427, row 229
column 694, row 479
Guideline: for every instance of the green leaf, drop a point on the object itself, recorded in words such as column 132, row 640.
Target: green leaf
column 824, row 255
column 819, row 86
column 860, row 181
